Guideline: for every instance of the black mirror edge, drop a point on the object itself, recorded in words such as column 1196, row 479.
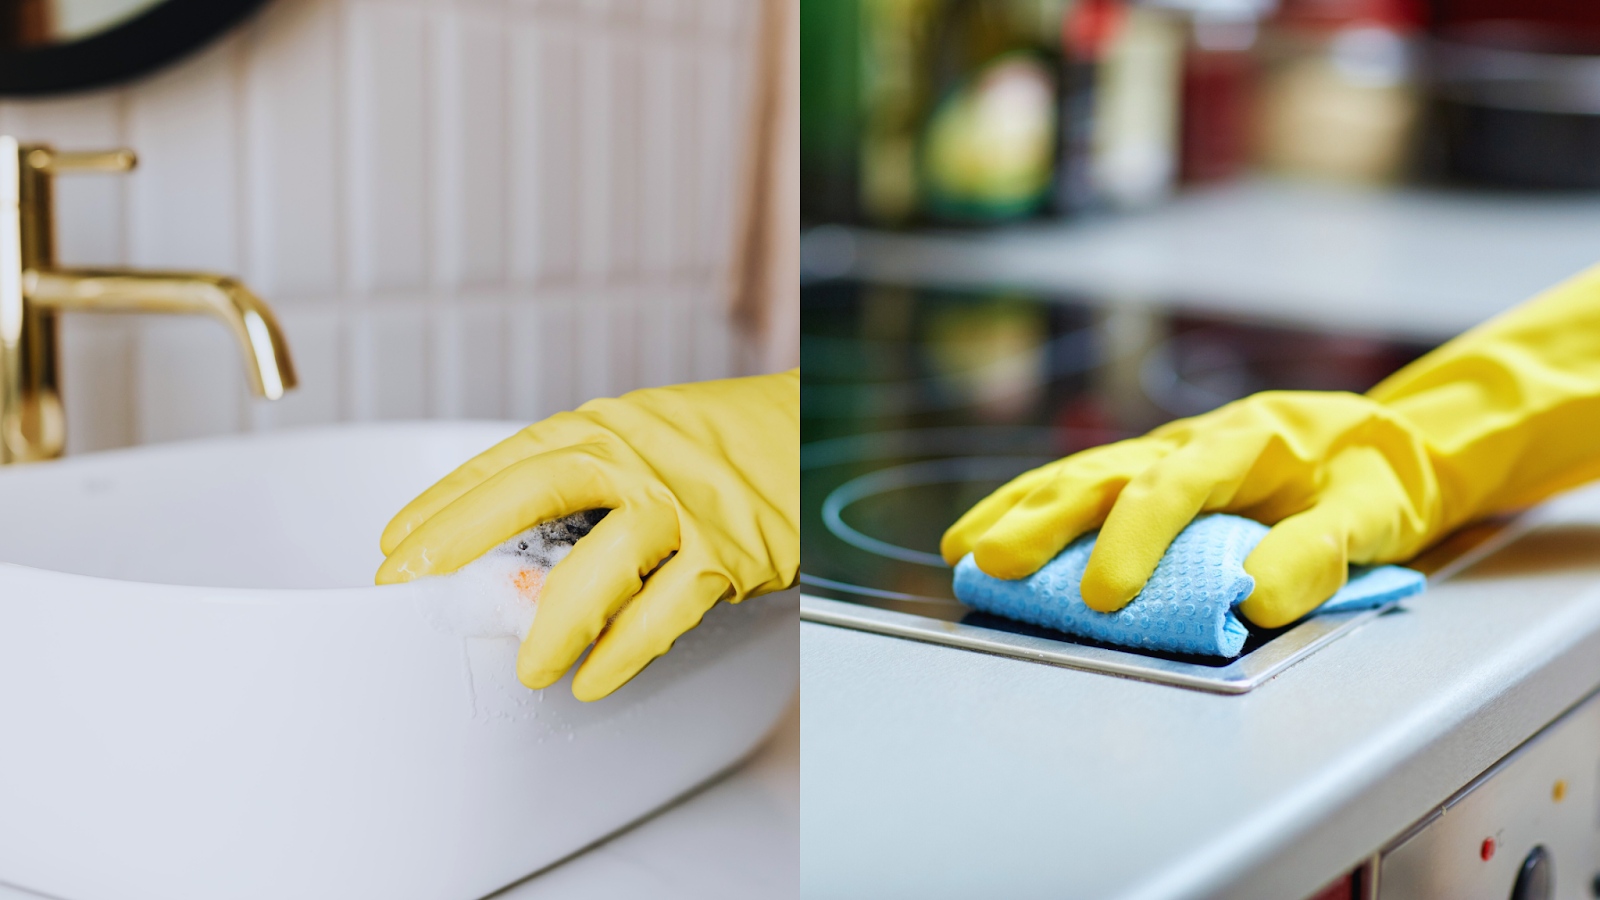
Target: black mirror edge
column 158, row 37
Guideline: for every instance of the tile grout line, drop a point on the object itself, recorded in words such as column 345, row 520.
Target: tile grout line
column 243, row 231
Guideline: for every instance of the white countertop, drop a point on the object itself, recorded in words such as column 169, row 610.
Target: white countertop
column 1418, row 263
column 939, row 772
column 737, row 839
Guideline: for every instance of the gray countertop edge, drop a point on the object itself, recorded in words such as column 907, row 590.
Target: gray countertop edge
column 1300, row 781
column 1474, row 728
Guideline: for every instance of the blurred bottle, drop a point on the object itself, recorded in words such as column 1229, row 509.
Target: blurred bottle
column 985, row 111
column 1086, row 30
column 990, row 143
column 988, row 148
column 1339, row 97
column 957, row 108
column 896, row 92
column 1218, row 87
column 1136, row 108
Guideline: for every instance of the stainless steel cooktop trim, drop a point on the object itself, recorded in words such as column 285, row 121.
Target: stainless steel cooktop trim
column 1243, row 674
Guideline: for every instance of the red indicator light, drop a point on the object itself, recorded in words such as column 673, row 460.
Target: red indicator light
column 1487, row 850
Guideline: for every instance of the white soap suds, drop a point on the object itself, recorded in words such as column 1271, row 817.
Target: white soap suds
column 496, row 594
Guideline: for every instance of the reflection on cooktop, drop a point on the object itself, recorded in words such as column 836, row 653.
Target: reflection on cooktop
column 916, row 404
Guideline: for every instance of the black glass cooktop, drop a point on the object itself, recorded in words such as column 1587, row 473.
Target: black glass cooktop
column 917, row 403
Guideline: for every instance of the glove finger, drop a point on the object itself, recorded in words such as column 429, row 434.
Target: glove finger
column 560, row 430
column 1364, row 514
column 1301, row 562
column 1060, row 509
column 582, row 592
column 672, row 601
column 1157, row 504
column 1087, row 467
column 960, row 538
column 534, row 490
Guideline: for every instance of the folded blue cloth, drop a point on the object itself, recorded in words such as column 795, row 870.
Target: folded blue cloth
column 1187, row 605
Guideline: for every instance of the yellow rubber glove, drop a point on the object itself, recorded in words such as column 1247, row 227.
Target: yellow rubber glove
column 1498, row 418
column 708, row 471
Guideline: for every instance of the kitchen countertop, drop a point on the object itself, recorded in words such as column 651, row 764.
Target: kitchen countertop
column 735, row 839
column 938, row 772
column 1415, row 263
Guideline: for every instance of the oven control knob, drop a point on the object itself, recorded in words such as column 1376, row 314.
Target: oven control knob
column 1535, row 880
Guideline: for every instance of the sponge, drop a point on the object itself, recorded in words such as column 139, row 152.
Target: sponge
column 1187, row 606
column 497, row 594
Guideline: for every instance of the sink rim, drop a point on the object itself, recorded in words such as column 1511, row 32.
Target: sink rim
column 127, row 462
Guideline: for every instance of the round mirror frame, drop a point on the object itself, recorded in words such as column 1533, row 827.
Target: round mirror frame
column 158, row 36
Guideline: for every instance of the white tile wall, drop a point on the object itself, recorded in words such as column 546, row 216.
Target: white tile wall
column 476, row 208
column 543, row 356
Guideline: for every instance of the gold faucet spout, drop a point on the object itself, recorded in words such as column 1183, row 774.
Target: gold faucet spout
column 266, row 353
column 33, row 289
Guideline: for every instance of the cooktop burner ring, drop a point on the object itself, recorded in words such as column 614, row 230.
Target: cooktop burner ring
column 1014, row 449
column 878, row 593
column 917, row 474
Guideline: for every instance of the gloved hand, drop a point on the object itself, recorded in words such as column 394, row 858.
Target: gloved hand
column 1500, row 417
column 708, row 471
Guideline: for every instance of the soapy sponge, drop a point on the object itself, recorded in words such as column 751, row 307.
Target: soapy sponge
column 497, row 594
column 1187, row 605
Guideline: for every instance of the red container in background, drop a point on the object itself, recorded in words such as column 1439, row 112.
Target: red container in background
column 1218, row 81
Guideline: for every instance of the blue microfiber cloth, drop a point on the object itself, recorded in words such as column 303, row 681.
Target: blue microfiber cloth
column 1187, row 605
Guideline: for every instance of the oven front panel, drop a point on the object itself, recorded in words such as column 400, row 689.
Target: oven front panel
column 1527, row 829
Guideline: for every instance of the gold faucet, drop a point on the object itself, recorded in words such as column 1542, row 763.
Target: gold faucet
column 33, row 289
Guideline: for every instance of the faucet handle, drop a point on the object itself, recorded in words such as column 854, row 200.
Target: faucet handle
column 72, row 162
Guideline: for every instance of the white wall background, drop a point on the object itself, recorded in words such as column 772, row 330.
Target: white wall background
column 482, row 208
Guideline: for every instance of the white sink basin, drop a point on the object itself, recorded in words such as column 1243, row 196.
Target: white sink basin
column 203, row 696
